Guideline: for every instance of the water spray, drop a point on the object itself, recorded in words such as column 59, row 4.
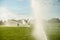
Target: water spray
column 38, row 31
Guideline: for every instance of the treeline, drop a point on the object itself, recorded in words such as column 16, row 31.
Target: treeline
column 21, row 21
column 1, row 22
column 54, row 20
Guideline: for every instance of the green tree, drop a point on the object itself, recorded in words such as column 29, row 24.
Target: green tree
column 1, row 22
column 54, row 20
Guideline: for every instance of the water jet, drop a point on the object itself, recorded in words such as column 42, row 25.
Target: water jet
column 38, row 31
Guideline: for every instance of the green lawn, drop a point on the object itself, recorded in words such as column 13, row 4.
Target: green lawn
column 53, row 31
column 15, row 33
column 24, row 33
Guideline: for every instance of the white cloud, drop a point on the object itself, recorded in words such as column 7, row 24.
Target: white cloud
column 6, row 14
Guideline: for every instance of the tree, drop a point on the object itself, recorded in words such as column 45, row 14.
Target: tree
column 54, row 20
column 1, row 22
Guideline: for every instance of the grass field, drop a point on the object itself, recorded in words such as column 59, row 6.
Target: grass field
column 53, row 31
column 24, row 33
column 15, row 33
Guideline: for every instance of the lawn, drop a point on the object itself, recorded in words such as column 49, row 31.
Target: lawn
column 15, row 33
column 53, row 31
column 24, row 33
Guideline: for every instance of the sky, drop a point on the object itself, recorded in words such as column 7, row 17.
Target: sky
column 17, row 6
column 51, row 8
column 22, row 8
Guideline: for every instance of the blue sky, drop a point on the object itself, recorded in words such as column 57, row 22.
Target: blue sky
column 17, row 6
column 22, row 7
